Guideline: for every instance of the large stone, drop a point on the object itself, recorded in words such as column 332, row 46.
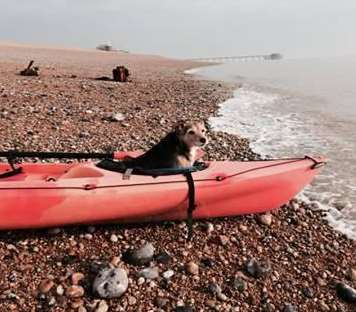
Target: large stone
column 45, row 286
column 192, row 268
column 102, row 306
column 168, row 274
column 77, row 277
column 308, row 292
column 265, row 219
column 116, row 117
column 140, row 256
column 96, row 266
column 149, row 273
column 75, row 291
column 111, row 283
column 346, row 293
column 257, row 269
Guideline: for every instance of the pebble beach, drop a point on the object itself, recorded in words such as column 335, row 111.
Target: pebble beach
column 287, row 260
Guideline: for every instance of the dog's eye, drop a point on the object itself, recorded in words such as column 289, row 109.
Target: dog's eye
column 191, row 132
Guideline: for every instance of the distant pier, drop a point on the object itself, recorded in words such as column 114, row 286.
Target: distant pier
column 223, row 59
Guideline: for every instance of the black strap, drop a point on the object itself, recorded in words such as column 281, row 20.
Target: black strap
column 122, row 166
column 13, row 170
column 11, row 173
column 191, row 203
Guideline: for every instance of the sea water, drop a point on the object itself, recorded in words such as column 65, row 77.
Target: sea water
column 294, row 108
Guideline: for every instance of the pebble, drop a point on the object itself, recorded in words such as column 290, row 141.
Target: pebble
column 345, row 292
column 352, row 274
column 91, row 229
column 321, row 282
column 141, row 281
column 243, row 228
column 114, row 238
column 224, row 240
column 221, row 296
column 289, row 308
column 308, row 292
column 131, row 300
column 208, row 227
column 168, row 274
column 77, row 277
column 239, row 284
column 207, row 262
column 164, row 257
column 75, row 291
column 102, row 306
column 257, row 269
column 192, row 268
column 211, row 304
column 88, row 236
column 149, row 273
column 294, row 205
column 111, row 283
column 52, row 301
column 185, row 308
column 323, row 306
column 160, row 302
column 60, row 290
column 77, row 303
column 45, row 286
column 214, row 288
column 54, row 231
column 115, row 261
column 265, row 219
column 140, row 256
column 115, row 117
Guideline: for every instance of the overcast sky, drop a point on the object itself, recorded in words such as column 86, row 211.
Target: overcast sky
column 186, row 28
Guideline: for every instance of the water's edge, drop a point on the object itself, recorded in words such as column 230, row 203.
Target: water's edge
column 259, row 139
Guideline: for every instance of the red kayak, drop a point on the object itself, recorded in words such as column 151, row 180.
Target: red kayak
column 45, row 195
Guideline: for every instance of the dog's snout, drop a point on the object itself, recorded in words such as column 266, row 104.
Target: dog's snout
column 203, row 140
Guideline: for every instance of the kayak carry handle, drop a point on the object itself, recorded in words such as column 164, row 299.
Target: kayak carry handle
column 318, row 162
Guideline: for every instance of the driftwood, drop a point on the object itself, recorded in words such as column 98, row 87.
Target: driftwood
column 30, row 71
column 119, row 73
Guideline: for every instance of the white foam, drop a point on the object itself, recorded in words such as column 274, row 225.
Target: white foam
column 258, row 116
column 192, row 71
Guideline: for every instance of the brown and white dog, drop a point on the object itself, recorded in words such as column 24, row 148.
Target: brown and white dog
column 178, row 149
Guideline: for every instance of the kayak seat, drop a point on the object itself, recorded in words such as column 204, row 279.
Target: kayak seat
column 81, row 172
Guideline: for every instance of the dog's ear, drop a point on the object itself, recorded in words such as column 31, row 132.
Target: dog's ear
column 206, row 125
column 179, row 128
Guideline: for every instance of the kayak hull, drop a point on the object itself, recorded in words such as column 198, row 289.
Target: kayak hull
column 46, row 195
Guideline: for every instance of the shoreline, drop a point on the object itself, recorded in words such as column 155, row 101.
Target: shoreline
column 265, row 105
column 303, row 251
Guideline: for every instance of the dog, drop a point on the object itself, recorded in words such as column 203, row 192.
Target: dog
column 178, row 149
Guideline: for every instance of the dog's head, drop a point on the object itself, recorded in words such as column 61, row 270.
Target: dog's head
column 193, row 134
